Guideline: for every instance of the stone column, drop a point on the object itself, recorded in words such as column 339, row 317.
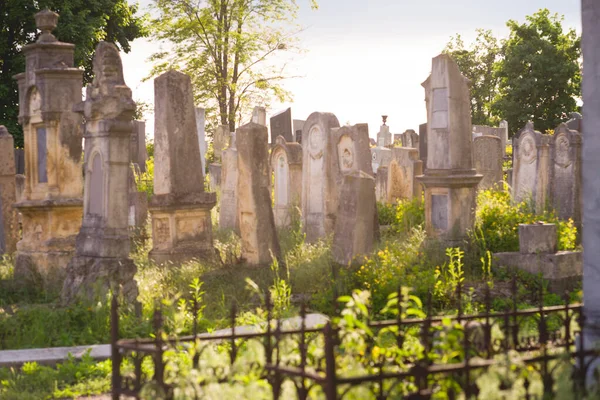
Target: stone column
column 257, row 224
column 180, row 208
column 590, row 44
column 9, row 228
column 450, row 180
column 51, row 206
column 101, row 259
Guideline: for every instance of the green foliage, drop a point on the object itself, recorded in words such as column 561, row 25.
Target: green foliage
column 409, row 214
column 540, row 74
column 228, row 49
column 145, row 180
column 82, row 22
column 449, row 276
column 386, row 213
column 497, row 222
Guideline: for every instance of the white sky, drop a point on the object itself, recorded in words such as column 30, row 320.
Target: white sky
column 366, row 58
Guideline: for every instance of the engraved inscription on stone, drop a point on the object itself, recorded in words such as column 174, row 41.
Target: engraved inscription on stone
column 315, row 142
column 439, row 117
column 439, row 211
column 346, row 153
column 42, row 155
column 528, row 151
column 96, row 186
column 162, row 232
column 562, row 151
column 190, row 229
column 281, row 181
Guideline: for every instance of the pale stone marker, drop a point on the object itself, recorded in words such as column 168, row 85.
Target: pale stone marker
column 319, row 174
column 220, row 141
column 380, row 157
column 450, row 180
column 381, row 182
column 352, row 149
column 259, row 116
column 423, row 144
column 257, row 224
column 575, row 122
column 139, row 153
column 565, row 173
column 51, row 206
column 281, row 125
column 180, row 208
column 8, row 217
column 501, row 132
column 487, row 157
column 200, row 122
column 384, row 137
column 101, row 259
column 354, row 228
column 286, row 162
column 298, row 124
column 530, row 167
column 410, row 138
column 402, row 172
column 228, row 213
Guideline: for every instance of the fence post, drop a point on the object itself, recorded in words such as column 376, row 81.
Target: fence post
column 330, row 370
column 114, row 350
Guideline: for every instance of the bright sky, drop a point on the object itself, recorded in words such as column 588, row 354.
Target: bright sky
column 367, row 58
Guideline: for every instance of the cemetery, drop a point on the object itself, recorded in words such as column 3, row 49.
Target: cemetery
column 221, row 256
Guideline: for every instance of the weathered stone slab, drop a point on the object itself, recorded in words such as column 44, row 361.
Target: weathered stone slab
column 381, row 184
column 384, row 137
column 404, row 167
column 354, row 229
column 259, row 116
column 487, row 157
column 501, row 132
column 319, row 174
column 8, row 217
column 297, row 125
column 538, row 238
column 228, row 213
column 410, row 139
column 200, row 122
column 423, row 144
column 220, row 141
column 286, row 162
column 20, row 161
column 575, row 122
column 281, row 125
column 139, row 153
column 257, row 223
column 214, row 173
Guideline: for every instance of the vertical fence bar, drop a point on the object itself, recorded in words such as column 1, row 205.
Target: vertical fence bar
column 114, row 349
column 159, row 367
column 330, row 367
column 303, row 395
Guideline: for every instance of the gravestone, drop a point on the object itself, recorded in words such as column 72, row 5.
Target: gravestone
column 298, row 124
column 214, row 173
column 257, row 224
column 319, row 174
column 259, row 116
column 51, row 206
column 450, row 181
column 9, row 228
column 228, row 213
column 354, row 228
column 380, row 157
column 404, row 167
column 575, row 122
column 565, row 173
column 381, row 182
column 286, row 162
column 501, row 132
column 487, row 157
column 200, row 122
column 220, row 141
column 180, row 208
column 352, row 149
column 139, row 153
column 101, row 261
column 530, row 167
column 138, row 206
column 20, row 161
column 410, row 138
column 423, row 144
column 384, row 137
column 281, row 125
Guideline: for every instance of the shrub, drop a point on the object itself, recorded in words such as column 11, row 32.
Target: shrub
column 409, row 214
column 386, row 213
column 145, row 180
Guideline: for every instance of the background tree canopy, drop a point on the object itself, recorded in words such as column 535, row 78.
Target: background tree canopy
column 82, row 22
column 534, row 75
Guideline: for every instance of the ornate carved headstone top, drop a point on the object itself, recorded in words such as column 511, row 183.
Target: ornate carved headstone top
column 46, row 21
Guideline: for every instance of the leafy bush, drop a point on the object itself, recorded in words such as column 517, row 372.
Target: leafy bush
column 386, row 213
column 145, row 180
column 497, row 222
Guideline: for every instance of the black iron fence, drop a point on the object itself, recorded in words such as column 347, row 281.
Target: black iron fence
column 410, row 358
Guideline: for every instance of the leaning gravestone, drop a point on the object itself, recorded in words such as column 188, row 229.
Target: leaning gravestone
column 281, row 125
column 286, row 162
column 487, row 157
column 530, row 167
column 8, row 217
column 402, row 172
column 354, row 229
column 257, row 224
column 228, row 213
column 101, row 261
column 319, row 174
column 565, row 173
column 180, row 208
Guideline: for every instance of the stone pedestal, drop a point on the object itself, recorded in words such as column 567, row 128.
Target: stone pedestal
column 537, row 238
column 51, row 205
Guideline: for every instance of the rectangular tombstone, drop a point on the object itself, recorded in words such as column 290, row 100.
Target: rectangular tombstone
column 423, row 144
column 257, row 223
column 228, row 213
column 214, row 173
column 281, row 125
column 501, row 132
column 384, row 137
column 8, row 217
column 259, row 116
column 286, row 163
column 200, row 122
column 20, row 161
column 487, row 157
column 220, row 141
column 381, row 183
column 537, row 238
column 298, row 124
column 380, row 157
column 139, row 153
column 403, row 169
column 354, row 229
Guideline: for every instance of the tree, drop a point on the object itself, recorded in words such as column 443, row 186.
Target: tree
column 229, row 48
column 540, row 73
column 82, row 22
column 477, row 63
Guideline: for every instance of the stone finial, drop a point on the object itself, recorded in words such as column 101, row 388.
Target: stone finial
column 46, row 21
column 4, row 131
column 384, row 118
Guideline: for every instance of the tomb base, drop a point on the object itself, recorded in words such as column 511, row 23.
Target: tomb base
column 450, row 201
column 93, row 277
column 49, row 231
column 182, row 228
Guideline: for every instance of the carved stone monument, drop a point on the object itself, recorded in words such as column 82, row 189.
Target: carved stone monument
column 281, row 125
column 257, row 223
column 384, row 137
column 9, row 228
column 410, row 139
column 450, row 181
column 487, row 157
column 180, row 208
column 259, row 116
column 51, row 206
column 228, row 213
column 402, row 172
column 319, row 174
column 101, row 261
column 501, row 132
column 139, row 153
column 286, row 162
